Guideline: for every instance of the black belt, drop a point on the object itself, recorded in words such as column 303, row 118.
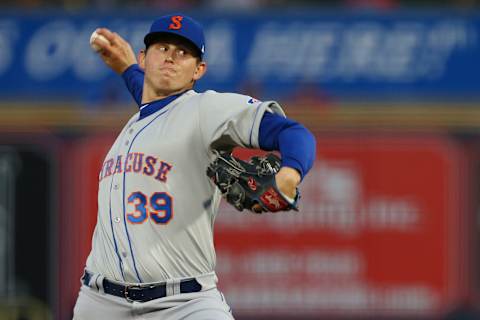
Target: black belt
column 142, row 293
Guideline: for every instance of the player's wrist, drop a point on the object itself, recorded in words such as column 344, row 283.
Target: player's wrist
column 287, row 180
column 290, row 200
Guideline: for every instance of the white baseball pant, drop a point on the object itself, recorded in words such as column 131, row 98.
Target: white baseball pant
column 92, row 304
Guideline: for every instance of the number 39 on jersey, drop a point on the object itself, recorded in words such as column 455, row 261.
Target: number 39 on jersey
column 158, row 207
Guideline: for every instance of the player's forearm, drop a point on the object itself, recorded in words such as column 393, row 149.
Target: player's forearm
column 296, row 144
column 298, row 149
column 133, row 77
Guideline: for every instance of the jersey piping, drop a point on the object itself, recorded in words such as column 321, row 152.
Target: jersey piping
column 124, row 209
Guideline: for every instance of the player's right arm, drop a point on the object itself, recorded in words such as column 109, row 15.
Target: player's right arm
column 133, row 77
column 119, row 56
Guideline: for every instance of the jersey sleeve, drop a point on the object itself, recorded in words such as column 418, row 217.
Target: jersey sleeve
column 295, row 142
column 133, row 77
column 229, row 119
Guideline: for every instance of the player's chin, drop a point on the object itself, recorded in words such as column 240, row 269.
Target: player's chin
column 165, row 83
column 166, row 88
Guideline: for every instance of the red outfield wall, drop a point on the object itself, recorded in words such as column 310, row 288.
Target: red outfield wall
column 380, row 232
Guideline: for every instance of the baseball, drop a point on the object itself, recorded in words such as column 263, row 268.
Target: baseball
column 98, row 37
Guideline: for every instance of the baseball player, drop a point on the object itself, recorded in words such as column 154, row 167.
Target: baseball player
column 152, row 251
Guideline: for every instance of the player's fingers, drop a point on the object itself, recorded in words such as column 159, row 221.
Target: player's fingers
column 120, row 39
column 111, row 36
column 106, row 56
column 104, row 46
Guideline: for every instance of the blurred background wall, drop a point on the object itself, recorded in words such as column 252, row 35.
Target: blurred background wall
column 389, row 223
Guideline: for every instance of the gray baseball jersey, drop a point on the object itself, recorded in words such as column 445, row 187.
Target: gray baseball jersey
column 156, row 206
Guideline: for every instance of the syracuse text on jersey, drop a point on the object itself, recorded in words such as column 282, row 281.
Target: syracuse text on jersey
column 136, row 162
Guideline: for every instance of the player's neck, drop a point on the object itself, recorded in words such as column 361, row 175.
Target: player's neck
column 151, row 95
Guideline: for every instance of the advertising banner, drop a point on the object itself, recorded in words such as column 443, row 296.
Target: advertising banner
column 283, row 55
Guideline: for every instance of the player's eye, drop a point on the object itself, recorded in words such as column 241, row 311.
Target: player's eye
column 181, row 53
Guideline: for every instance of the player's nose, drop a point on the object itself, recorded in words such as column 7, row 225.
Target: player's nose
column 168, row 57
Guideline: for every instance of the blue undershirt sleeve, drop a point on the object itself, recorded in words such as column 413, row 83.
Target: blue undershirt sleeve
column 296, row 143
column 133, row 77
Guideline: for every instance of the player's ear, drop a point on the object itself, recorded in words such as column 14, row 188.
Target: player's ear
column 141, row 58
column 200, row 70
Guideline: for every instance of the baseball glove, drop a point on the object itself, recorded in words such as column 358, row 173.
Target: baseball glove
column 245, row 184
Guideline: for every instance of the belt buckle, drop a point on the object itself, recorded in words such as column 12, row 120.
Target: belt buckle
column 132, row 288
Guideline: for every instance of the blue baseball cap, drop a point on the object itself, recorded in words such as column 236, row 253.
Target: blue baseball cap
column 180, row 25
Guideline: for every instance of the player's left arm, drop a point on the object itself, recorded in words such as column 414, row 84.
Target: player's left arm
column 295, row 143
